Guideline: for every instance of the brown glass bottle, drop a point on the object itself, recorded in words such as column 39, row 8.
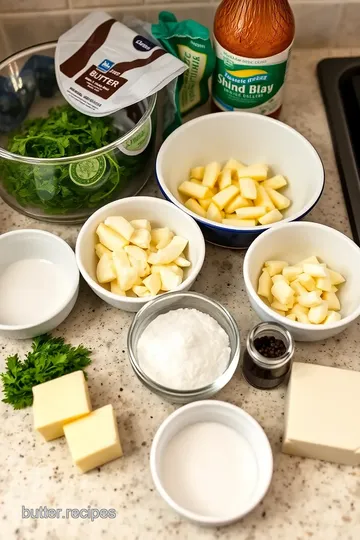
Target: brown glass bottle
column 252, row 43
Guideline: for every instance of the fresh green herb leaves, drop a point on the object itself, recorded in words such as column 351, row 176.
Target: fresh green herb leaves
column 48, row 359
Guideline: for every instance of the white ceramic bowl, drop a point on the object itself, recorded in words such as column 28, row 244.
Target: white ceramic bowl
column 161, row 214
column 255, row 440
column 293, row 242
column 250, row 138
column 35, row 244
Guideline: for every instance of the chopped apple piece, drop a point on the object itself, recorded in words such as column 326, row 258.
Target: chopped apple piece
column 141, row 224
column 291, row 316
column 263, row 199
column 275, row 267
column 153, row 283
column 194, row 191
column 116, row 289
column 197, row 173
column 298, row 288
column 182, row 261
column 282, row 292
column 225, row 179
column 169, row 280
column 279, row 277
column 110, row 238
column 302, row 318
column 264, row 286
column 335, row 277
column 105, row 270
column 315, row 270
column 138, row 259
column 298, row 309
column 252, row 212
column 276, row 182
column 141, row 291
column 279, row 307
column 155, row 269
column 238, row 202
column 256, row 172
column 291, row 272
column 234, row 222
column 205, row 203
column 280, row 201
column 310, row 299
column 271, row 217
column 141, row 238
column 233, row 165
column 169, row 253
column 318, row 314
column 213, row 213
column 248, row 188
column 100, row 250
column 307, row 281
column 332, row 300
column 334, row 289
column 225, row 196
column 127, row 277
column 332, row 316
column 310, row 260
column 211, row 174
column 120, row 225
column 324, row 284
column 161, row 237
column 282, row 313
column 194, row 206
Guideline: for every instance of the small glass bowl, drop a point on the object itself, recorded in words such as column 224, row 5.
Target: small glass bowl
column 177, row 300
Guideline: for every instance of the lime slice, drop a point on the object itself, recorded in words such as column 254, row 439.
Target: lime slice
column 88, row 172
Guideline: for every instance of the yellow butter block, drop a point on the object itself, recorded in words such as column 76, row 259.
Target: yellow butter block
column 94, row 440
column 59, row 402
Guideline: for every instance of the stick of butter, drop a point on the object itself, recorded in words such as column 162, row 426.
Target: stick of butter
column 320, row 414
column 60, row 401
column 94, row 439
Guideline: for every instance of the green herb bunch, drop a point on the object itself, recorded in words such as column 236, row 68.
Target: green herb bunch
column 48, row 359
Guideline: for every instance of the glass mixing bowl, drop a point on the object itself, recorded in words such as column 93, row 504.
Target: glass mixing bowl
column 64, row 188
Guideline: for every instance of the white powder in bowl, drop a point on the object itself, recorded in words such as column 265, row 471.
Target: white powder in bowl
column 184, row 349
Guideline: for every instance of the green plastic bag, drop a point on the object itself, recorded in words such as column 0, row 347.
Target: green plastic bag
column 191, row 43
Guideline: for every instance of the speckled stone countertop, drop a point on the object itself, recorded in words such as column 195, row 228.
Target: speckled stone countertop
column 307, row 499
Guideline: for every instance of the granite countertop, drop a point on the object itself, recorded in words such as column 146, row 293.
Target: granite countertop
column 307, row 499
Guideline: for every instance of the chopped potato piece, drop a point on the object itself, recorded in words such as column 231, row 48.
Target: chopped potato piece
column 116, row 289
column 194, row 206
column 282, row 313
column 211, row 174
column 205, row 203
column 238, row 202
column 153, row 283
column 120, row 225
column 280, row 201
column 271, row 217
column 310, row 299
column 264, row 286
column 105, row 270
column 291, row 316
column 225, row 196
column 279, row 277
column 324, row 284
column 248, row 188
column 233, row 165
column 224, row 179
column 307, row 281
column 197, row 173
column 332, row 316
column 291, row 272
column 282, row 292
column 100, row 250
column 141, row 224
column 318, row 314
column 332, row 300
column 161, row 237
column 263, row 199
column 335, row 277
column 169, row 280
column 213, row 213
column 276, row 182
column 279, row 307
column 275, row 267
column 252, row 212
column 315, row 270
column 141, row 238
column 193, row 190
column 234, row 222
column 110, row 238
column 256, row 172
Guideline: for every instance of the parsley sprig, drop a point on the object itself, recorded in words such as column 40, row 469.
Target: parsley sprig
column 48, row 359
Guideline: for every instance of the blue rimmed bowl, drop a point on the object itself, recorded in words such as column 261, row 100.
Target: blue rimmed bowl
column 250, row 138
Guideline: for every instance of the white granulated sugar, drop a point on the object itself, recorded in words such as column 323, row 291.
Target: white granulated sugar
column 184, row 349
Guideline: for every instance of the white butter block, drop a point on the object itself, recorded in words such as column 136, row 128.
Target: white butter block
column 58, row 402
column 94, row 439
column 321, row 414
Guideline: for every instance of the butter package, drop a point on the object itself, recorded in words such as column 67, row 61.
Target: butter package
column 102, row 66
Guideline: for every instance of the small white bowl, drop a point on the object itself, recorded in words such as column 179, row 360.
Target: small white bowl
column 256, row 443
column 250, row 138
column 293, row 242
column 160, row 213
column 36, row 244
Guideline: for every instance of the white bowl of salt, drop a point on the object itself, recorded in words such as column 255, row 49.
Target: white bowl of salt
column 211, row 462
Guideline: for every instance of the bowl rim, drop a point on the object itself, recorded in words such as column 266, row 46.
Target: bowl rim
column 172, row 393
column 72, row 287
column 295, row 325
column 194, row 268
column 227, row 228
column 154, row 453
column 87, row 155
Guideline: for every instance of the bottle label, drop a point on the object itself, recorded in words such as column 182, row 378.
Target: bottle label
column 252, row 84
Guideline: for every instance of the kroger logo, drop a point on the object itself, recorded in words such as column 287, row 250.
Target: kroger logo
column 106, row 65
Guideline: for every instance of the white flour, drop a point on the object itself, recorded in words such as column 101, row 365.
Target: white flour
column 184, row 349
